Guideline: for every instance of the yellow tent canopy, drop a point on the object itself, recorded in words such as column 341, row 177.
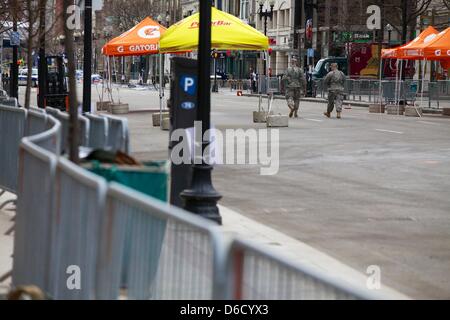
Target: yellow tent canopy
column 228, row 33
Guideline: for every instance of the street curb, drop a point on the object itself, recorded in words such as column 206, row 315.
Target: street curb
column 314, row 100
column 235, row 223
column 345, row 102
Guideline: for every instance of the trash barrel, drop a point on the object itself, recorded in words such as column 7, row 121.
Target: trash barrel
column 151, row 179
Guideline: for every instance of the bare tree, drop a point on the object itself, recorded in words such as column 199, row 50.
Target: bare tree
column 409, row 10
column 129, row 13
column 35, row 14
column 32, row 9
column 73, row 100
column 446, row 3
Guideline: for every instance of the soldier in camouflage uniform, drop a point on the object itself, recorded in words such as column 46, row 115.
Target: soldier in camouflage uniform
column 335, row 81
column 295, row 84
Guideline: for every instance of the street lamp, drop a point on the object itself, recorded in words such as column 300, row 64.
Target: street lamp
column 188, row 13
column 201, row 198
column 87, row 61
column 264, row 15
column 389, row 29
column 159, row 18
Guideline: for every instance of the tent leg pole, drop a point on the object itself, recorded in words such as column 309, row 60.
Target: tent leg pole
column 161, row 93
column 379, row 84
column 423, row 82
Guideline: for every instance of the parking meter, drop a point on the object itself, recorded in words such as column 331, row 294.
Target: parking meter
column 183, row 113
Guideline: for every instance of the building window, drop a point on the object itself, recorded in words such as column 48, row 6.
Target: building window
column 245, row 10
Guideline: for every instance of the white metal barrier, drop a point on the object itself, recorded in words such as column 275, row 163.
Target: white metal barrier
column 153, row 250
column 83, row 122
column 12, row 130
column 126, row 243
column 98, row 131
column 256, row 273
column 36, row 123
column 32, row 237
column 78, row 209
column 118, row 134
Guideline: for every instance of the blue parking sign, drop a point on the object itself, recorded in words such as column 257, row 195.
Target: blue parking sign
column 189, row 84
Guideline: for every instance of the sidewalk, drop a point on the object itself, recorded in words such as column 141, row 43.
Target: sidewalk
column 6, row 243
column 351, row 103
column 237, row 224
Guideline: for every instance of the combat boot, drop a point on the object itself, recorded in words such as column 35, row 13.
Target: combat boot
column 338, row 115
column 291, row 113
column 295, row 114
column 327, row 114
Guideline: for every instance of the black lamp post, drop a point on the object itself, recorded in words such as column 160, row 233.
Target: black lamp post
column 264, row 15
column 201, row 198
column 42, row 66
column 87, row 67
column 14, row 74
column 389, row 29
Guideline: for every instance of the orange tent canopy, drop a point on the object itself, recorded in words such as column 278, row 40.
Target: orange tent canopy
column 142, row 39
column 412, row 49
column 439, row 48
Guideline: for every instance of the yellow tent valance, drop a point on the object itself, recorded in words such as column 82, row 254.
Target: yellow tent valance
column 228, row 33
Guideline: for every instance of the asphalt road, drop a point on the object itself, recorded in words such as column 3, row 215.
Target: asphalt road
column 368, row 189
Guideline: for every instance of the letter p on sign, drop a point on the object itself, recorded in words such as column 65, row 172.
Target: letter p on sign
column 188, row 84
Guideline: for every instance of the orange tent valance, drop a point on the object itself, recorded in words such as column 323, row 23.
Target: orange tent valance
column 412, row 49
column 143, row 39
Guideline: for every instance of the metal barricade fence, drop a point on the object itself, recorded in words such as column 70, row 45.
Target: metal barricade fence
column 170, row 253
column 118, row 134
column 35, row 109
column 444, row 88
column 84, row 130
column 319, row 88
column 32, row 237
column 256, row 273
column 63, row 117
column 52, row 111
column 126, row 243
column 52, row 144
column 36, row 123
column 78, row 207
column 10, row 102
column 433, row 94
column 98, row 131
column 348, row 88
column 12, row 130
column 273, row 85
column 389, row 91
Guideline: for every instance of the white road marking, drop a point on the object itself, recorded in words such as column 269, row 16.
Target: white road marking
column 426, row 122
column 316, row 120
column 390, row 131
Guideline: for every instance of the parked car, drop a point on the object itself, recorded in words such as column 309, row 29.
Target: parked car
column 96, row 78
column 323, row 66
column 79, row 74
column 23, row 73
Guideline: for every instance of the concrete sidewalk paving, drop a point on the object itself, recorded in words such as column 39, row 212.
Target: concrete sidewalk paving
column 6, row 242
column 249, row 229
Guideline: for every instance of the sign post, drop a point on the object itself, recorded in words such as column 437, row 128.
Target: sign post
column 201, row 198
column 183, row 112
